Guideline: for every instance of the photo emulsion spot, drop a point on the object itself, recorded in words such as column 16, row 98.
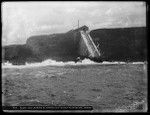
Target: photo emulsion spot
column 74, row 56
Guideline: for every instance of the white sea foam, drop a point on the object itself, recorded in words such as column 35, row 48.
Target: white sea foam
column 50, row 62
column 138, row 62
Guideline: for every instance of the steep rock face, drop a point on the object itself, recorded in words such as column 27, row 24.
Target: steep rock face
column 121, row 44
column 62, row 47
column 16, row 54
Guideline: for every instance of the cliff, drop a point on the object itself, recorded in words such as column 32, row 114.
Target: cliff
column 121, row 44
column 60, row 47
column 16, row 54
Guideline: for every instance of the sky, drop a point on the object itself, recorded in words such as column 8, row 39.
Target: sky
column 21, row 20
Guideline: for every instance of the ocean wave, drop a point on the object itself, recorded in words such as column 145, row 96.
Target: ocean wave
column 50, row 62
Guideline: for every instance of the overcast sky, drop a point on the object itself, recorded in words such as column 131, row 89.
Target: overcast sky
column 23, row 19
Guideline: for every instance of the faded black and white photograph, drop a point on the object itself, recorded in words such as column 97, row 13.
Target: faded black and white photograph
column 74, row 56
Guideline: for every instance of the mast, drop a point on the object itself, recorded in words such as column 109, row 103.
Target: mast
column 78, row 24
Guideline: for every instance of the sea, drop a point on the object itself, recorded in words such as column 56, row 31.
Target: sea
column 106, row 86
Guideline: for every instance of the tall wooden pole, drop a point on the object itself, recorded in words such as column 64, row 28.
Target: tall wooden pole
column 78, row 24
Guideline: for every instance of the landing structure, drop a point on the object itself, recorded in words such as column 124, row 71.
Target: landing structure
column 87, row 46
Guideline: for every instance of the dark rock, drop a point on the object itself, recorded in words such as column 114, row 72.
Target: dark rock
column 118, row 44
column 121, row 44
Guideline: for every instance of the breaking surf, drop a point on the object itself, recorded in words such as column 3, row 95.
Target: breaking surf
column 50, row 62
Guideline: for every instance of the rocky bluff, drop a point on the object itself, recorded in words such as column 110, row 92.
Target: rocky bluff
column 115, row 44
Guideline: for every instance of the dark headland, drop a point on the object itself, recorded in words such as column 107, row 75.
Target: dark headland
column 115, row 44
